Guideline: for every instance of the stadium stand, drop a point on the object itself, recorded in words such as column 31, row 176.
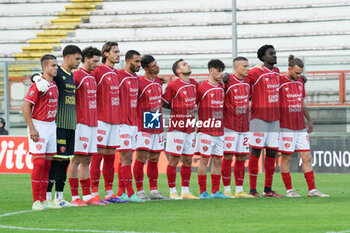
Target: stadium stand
column 170, row 29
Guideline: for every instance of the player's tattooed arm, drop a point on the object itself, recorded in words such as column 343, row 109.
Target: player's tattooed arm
column 303, row 78
column 40, row 82
column 162, row 78
column 310, row 126
column 165, row 104
column 27, row 109
column 225, row 78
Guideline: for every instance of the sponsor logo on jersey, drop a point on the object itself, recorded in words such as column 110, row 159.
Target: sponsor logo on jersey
column 147, row 135
column 70, row 100
column 258, row 134
column 205, row 141
column 179, row 141
column 70, row 86
column 229, row 138
column 83, row 139
column 273, row 98
column 61, row 141
column 100, row 131
column 287, row 139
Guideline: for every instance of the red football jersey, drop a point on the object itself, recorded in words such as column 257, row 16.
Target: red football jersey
column 292, row 94
column 265, row 100
column 107, row 94
column 210, row 100
column 181, row 96
column 149, row 100
column 85, row 97
column 129, row 90
column 44, row 103
column 236, row 107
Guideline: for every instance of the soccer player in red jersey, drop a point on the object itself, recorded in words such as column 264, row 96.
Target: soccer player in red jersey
column 210, row 137
column 264, row 125
column 108, row 121
column 39, row 111
column 180, row 97
column 86, row 129
column 150, row 137
column 129, row 90
column 294, row 136
column 65, row 121
column 236, row 126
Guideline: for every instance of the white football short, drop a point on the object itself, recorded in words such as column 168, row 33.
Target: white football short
column 236, row 142
column 127, row 137
column 107, row 135
column 294, row 141
column 179, row 143
column 47, row 144
column 264, row 134
column 209, row 145
column 150, row 141
column 85, row 140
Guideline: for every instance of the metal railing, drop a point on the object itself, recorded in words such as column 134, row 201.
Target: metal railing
column 333, row 94
column 322, row 88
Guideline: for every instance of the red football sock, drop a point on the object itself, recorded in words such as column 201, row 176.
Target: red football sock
column 253, row 170
column 121, row 185
column 138, row 174
column 269, row 170
column 287, row 180
column 185, row 176
column 239, row 171
column 171, row 174
column 202, row 181
column 108, row 171
column 215, row 183
column 127, row 176
column 38, row 167
column 152, row 173
column 226, row 172
column 45, row 180
column 310, row 180
column 95, row 172
column 74, row 186
column 85, row 186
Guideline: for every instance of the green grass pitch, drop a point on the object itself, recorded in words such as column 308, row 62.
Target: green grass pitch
column 229, row 215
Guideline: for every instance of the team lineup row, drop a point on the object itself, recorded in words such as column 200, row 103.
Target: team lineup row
column 97, row 109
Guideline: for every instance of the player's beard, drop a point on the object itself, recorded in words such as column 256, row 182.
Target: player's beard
column 187, row 73
column 134, row 68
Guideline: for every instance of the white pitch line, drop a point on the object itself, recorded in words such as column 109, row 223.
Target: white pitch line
column 53, row 229
column 19, row 212
column 346, row 231
column 62, row 230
